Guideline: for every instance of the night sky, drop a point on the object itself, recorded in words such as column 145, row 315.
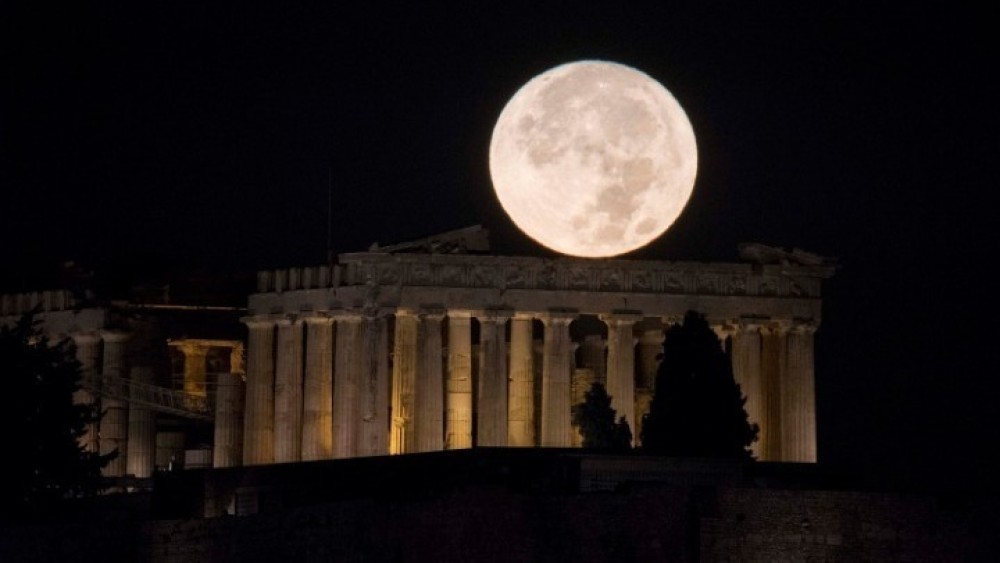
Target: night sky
column 182, row 138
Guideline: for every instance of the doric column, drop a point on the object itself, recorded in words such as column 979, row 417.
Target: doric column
column 288, row 392
column 428, row 392
column 141, row 431
column 458, row 400
column 373, row 437
column 258, row 413
column 747, row 372
column 114, row 425
column 228, row 449
column 492, row 412
column 88, row 352
column 404, row 373
column 521, row 398
column 556, row 427
column 621, row 364
column 195, row 367
column 346, row 382
column 798, row 399
column 317, row 398
column 773, row 365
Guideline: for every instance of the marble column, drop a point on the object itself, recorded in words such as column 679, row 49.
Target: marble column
column 288, row 392
column 428, row 393
column 458, row 400
column 621, row 364
column 404, row 373
column 521, row 398
column 114, row 424
column 141, row 431
column 228, row 447
column 88, row 353
column 556, row 371
column 774, row 356
column 491, row 417
column 746, row 358
column 346, row 382
column 373, row 437
column 798, row 397
column 195, row 368
column 258, row 413
column 317, row 398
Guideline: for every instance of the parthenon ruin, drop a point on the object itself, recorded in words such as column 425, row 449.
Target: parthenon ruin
column 419, row 349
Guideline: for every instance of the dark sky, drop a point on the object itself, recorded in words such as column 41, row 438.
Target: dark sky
column 202, row 137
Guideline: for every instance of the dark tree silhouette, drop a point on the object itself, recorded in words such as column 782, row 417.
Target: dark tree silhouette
column 698, row 408
column 596, row 420
column 44, row 461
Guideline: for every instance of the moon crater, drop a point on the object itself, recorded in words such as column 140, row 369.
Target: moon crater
column 593, row 159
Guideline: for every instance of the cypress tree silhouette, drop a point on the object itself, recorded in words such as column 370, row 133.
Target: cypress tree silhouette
column 44, row 463
column 698, row 408
column 596, row 420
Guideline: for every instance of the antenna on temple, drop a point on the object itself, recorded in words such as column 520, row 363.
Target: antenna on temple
column 329, row 215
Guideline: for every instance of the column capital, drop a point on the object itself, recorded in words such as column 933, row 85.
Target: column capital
column 288, row 320
column 723, row 329
column 407, row 312
column 558, row 316
column 750, row 323
column 347, row 315
column 498, row 314
column 523, row 316
column 317, row 318
column 776, row 327
column 621, row 317
column 432, row 313
column 804, row 326
column 259, row 321
column 460, row 314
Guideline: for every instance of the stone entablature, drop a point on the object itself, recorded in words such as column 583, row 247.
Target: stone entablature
column 554, row 274
column 725, row 292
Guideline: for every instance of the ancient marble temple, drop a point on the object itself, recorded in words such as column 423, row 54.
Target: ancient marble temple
column 401, row 350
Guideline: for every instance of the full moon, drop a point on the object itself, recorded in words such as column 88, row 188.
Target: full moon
column 593, row 159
